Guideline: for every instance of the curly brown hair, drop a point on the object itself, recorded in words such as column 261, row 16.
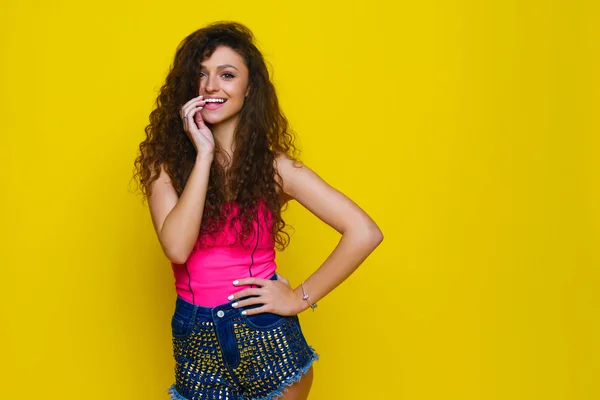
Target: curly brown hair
column 262, row 134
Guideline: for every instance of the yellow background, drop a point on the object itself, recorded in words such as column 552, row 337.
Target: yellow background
column 467, row 129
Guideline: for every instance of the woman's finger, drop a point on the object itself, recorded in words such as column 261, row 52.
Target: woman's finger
column 189, row 118
column 192, row 111
column 183, row 108
column 186, row 114
column 252, row 281
column 282, row 279
column 198, row 116
column 257, row 310
column 191, row 104
column 248, row 302
column 245, row 293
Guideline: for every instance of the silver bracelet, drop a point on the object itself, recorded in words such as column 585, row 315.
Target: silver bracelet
column 305, row 297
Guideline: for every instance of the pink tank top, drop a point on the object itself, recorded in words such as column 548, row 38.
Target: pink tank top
column 206, row 278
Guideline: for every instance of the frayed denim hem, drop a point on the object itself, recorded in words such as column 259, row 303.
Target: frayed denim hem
column 293, row 379
column 175, row 394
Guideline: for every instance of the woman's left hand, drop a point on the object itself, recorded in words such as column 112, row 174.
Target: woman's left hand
column 276, row 296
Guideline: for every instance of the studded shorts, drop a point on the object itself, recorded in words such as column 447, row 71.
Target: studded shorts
column 221, row 354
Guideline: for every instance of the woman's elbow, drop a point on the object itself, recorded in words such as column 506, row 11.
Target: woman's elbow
column 369, row 234
column 375, row 236
column 177, row 256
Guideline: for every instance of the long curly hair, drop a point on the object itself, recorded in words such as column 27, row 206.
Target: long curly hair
column 261, row 134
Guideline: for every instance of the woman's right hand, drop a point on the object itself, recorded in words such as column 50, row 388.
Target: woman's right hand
column 196, row 129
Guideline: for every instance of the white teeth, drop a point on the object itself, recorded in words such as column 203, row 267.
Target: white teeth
column 214, row 100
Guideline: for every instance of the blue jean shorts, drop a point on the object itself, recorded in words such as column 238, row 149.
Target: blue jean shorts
column 221, row 354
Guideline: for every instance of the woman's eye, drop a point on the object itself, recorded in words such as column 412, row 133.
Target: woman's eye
column 228, row 75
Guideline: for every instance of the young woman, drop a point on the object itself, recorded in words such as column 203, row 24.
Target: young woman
column 217, row 167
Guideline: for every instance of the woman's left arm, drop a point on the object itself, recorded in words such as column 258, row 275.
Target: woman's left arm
column 360, row 236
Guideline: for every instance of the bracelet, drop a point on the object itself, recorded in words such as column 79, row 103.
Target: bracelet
column 305, row 297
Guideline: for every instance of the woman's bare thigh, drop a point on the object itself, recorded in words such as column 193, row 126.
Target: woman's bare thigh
column 299, row 390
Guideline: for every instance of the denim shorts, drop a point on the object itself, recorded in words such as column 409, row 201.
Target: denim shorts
column 221, row 354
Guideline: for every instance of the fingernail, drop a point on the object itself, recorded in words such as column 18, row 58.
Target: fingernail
column 234, row 304
column 244, row 312
column 230, row 297
column 236, row 282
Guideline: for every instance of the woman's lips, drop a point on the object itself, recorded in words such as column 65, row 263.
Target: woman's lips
column 213, row 106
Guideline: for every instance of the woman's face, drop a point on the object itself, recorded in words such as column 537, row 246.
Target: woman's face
column 223, row 77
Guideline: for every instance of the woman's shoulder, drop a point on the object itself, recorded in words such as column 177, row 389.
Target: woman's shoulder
column 284, row 164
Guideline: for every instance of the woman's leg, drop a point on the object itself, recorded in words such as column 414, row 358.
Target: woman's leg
column 299, row 390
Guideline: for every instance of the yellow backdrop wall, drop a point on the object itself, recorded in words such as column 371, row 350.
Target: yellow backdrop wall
column 467, row 129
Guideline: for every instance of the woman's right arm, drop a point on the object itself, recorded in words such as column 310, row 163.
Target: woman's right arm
column 176, row 219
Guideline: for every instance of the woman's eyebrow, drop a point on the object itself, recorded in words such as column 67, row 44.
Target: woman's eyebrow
column 221, row 66
column 227, row 66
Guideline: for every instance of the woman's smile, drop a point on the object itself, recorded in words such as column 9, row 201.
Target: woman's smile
column 214, row 103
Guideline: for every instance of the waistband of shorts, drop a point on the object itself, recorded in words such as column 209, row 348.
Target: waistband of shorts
column 190, row 309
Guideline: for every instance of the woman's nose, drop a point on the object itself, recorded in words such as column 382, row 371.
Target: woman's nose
column 212, row 85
